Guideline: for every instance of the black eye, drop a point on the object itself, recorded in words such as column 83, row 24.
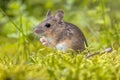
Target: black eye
column 47, row 25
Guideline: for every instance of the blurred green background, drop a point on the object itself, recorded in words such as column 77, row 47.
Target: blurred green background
column 23, row 57
column 98, row 19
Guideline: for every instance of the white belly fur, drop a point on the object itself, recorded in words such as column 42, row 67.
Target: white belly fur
column 62, row 46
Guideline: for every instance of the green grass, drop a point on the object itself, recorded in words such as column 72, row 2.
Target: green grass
column 44, row 63
column 49, row 64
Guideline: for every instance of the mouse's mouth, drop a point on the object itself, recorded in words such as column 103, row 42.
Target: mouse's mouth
column 38, row 31
column 39, row 34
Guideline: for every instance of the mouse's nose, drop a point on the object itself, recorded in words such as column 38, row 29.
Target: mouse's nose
column 36, row 30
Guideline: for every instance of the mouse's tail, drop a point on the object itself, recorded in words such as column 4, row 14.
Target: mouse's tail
column 107, row 50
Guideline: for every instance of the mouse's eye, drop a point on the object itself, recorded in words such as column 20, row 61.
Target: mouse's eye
column 47, row 25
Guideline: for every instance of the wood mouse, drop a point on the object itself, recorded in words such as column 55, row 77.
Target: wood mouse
column 60, row 34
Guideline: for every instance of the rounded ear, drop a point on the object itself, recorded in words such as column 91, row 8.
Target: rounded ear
column 48, row 14
column 59, row 15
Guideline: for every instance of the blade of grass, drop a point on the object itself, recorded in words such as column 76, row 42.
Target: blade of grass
column 103, row 11
column 24, row 37
column 21, row 30
column 5, row 14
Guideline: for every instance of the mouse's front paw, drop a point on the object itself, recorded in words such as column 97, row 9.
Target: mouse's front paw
column 44, row 41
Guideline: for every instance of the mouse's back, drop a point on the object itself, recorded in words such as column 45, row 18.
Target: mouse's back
column 76, row 36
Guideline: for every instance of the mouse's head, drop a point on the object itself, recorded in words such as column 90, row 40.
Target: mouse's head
column 53, row 24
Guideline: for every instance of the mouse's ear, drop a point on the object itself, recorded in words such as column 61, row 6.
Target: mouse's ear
column 48, row 14
column 59, row 15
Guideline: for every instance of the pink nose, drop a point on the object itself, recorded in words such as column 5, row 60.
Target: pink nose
column 37, row 30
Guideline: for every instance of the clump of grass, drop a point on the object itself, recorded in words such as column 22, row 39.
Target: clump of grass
column 59, row 66
column 22, row 37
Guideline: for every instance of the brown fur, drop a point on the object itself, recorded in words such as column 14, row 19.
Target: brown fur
column 60, row 31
